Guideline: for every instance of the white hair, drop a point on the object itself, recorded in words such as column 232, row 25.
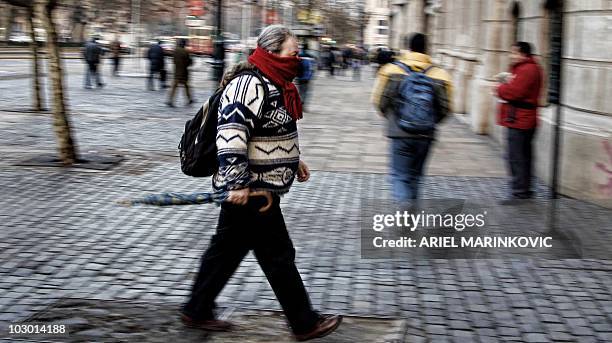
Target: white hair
column 272, row 38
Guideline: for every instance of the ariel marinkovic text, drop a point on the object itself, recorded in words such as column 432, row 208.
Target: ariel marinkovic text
column 464, row 242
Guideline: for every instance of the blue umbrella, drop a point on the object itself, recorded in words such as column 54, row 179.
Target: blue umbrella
column 168, row 199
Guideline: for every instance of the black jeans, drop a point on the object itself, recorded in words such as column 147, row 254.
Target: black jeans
column 162, row 77
column 520, row 158
column 240, row 229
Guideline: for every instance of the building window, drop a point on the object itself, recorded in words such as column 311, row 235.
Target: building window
column 383, row 31
column 382, row 23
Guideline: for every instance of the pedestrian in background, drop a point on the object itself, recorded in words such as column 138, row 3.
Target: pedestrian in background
column 182, row 61
column 384, row 56
column 257, row 138
column 346, row 56
column 410, row 148
column 518, row 111
column 115, row 49
column 307, row 69
column 331, row 61
column 92, row 54
column 157, row 65
column 356, row 63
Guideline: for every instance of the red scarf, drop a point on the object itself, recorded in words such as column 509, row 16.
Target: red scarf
column 281, row 71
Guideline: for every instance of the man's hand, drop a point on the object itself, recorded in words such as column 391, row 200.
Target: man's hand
column 303, row 174
column 239, row 196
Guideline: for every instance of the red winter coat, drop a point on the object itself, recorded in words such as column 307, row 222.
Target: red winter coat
column 521, row 94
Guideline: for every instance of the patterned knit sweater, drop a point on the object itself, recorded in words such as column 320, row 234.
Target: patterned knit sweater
column 257, row 140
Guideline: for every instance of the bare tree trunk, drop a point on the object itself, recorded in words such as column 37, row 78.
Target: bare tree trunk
column 61, row 124
column 38, row 101
column 8, row 21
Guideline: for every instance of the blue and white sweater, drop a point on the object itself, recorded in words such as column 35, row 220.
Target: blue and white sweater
column 257, row 140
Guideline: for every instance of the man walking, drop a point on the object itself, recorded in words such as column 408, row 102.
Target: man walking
column 182, row 61
column 518, row 112
column 115, row 49
column 156, row 65
column 257, row 142
column 92, row 53
column 410, row 147
column 331, row 61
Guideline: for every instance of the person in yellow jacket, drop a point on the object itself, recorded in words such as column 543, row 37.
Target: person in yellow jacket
column 409, row 150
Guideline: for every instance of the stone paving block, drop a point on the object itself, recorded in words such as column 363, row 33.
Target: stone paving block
column 535, row 338
column 508, row 331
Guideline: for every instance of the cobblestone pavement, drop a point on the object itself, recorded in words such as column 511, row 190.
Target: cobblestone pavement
column 63, row 237
column 137, row 321
column 341, row 133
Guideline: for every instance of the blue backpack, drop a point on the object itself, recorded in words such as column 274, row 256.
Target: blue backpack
column 415, row 105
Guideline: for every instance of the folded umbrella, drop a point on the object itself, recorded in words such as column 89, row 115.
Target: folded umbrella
column 168, row 199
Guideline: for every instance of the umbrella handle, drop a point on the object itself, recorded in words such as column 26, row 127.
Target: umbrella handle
column 265, row 195
column 124, row 202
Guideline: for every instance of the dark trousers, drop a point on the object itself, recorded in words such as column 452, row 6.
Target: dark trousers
column 92, row 73
column 408, row 156
column 175, row 84
column 240, row 229
column 116, row 62
column 162, row 77
column 520, row 161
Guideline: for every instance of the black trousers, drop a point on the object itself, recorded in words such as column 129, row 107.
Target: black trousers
column 520, row 160
column 240, row 229
column 116, row 62
column 162, row 77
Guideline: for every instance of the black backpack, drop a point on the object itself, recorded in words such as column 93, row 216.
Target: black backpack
column 198, row 145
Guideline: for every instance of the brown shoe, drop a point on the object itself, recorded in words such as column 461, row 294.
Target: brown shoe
column 326, row 325
column 208, row 325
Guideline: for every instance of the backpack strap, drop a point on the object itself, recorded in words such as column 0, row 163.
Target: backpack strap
column 258, row 75
column 402, row 65
column 427, row 69
column 408, row 70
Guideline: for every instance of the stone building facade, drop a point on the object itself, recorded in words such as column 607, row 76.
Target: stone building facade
column 472, row 39
column 377, row 25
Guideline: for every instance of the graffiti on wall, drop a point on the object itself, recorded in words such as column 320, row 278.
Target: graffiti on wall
column 606, row 167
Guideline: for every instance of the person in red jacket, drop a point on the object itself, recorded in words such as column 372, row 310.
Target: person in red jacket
column 518, row 111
